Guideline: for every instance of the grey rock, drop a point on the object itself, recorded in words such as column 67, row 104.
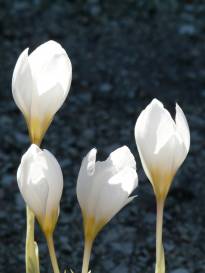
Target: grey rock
column 180, row 270
column 187, row 29
column 105, row 87
column 122, row 55
column 121, row 268
column 7, row 180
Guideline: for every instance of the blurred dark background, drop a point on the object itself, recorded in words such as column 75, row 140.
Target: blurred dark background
column 124, row 53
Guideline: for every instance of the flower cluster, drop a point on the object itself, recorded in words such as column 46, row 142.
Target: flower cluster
column 40, row 85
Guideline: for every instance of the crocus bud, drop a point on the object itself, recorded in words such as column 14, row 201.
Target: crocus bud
column 40, row 181
column 103, row 188
column 162, row 143
column 40, row 84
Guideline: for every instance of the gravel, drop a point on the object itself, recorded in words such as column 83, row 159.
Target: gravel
column 123, row 55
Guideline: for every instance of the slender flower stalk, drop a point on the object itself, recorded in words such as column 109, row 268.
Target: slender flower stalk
column 103, row 189
column 163, row 144
column 52, row 253
column 160, row 261
column 86, row 256
column 31, row 257
column 31, row 252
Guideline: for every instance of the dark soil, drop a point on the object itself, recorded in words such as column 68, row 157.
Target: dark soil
column 124, row 53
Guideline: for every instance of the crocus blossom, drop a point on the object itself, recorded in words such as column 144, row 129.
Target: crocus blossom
column 103, row 188
column 40, row 84
column 162, row 143
column 40, row 181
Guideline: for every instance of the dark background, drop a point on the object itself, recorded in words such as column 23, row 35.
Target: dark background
column 124, row 53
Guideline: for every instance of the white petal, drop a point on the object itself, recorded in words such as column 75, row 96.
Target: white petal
column 114, row 194
column 22, row 83
column 165, row 131
column 47, row 104
column 84, row 182
column 40, row 181
column 121, row 158
column 31, row 181
column 54, row 176
column 153, row 129
column 182, row 127
column 170, row 156
column 50, row 66
column 168, row 160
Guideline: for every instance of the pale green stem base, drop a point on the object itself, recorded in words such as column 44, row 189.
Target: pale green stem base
column 160, row 261
column 52, row 253
column 86, row 256
column 31, row 256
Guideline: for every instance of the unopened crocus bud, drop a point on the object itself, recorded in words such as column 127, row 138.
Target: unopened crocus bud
column 103, row 189
column 40, row 181
column 40, row 84
column 163, row 144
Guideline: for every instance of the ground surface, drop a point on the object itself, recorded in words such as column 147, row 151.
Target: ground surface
column 123, row 55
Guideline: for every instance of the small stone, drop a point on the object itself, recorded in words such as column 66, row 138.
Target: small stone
column 105, row 87
column 180, row 270
column 189, row 30
column 21, row 138
column 120, row 269
column 95, row 10
column 7, row 180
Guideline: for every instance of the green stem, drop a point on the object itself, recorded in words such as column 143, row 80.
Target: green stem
column 86, row 255
column 31, row 253
column 52, row 253
column 31, row 256
column 160, row 261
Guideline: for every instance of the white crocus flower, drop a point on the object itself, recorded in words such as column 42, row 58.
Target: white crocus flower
column 40, row 84
column 103, row 188
column 40, row 181
column 163, row 145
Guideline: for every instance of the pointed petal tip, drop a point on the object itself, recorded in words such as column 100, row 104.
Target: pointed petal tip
column 179, row 111
column 50, row 43
column 122, row 157
column 92, row 153
column 25, row 52
column 91, row 160
column 123, row 149
column 156, row 102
